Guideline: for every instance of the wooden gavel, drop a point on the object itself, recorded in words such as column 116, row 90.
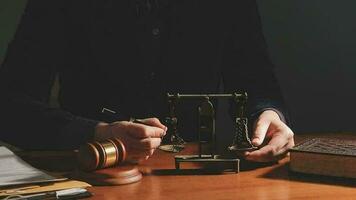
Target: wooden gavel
column 100, row 155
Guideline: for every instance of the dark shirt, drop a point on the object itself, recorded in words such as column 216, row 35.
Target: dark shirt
column 126, row 55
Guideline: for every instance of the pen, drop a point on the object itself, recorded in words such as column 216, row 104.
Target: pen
column 114, row 114
column 72, row 193
column 39, row 196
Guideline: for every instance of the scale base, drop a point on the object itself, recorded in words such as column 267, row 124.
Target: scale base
column 208, row 159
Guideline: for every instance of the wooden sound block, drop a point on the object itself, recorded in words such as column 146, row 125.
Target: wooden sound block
column 119, row 175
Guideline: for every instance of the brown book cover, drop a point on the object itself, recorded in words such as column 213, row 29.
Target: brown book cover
column 325, row 156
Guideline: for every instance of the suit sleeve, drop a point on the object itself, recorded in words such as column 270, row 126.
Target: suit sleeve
column 247, row 66
column 26, row 77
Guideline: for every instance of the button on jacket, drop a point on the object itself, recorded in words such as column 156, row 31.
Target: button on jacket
column 126, row 55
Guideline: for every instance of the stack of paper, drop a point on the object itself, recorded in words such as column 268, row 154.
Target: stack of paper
column 15, row 171
column 19, row 178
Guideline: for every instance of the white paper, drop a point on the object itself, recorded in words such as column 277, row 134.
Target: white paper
column 14, row 171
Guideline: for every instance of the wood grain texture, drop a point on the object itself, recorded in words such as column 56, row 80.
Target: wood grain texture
column 269, row 182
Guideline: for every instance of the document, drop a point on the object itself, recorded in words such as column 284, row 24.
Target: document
column 15, row 171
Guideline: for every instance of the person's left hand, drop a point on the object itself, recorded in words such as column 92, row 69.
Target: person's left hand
column 273, row 137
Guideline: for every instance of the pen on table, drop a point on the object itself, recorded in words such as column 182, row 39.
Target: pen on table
column 38, row 196
column 72, row 193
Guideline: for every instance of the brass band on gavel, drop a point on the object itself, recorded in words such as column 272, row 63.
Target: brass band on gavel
column 99, row 155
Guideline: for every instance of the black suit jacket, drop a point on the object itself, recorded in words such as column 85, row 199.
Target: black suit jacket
column 126, row 56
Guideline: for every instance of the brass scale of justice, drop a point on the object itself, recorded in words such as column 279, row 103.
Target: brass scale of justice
column 98, row 157
column 206, row 127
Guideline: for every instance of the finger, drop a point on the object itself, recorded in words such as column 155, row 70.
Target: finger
column 151, row 152
column 260, row 131
column 143, row 131
column 264, row 154
column 272, row 151
column 268, row 159
column 153, row 122
column 135, row 154
column 144, row 144
column 150, row 143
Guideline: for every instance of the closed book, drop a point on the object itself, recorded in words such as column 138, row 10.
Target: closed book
column 325, row 156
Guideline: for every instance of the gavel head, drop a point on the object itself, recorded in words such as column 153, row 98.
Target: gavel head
column 99, row 155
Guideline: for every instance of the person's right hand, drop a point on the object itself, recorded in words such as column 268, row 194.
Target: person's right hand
column 140, row 139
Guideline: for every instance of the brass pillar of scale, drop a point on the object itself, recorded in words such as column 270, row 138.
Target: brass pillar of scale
column 206, row 130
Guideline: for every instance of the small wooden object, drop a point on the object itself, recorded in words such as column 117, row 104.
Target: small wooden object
column 101, row 163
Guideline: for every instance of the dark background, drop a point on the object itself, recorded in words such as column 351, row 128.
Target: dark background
column 311, row 42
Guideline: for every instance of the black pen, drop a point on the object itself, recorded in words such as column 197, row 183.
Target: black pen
column 116, row 115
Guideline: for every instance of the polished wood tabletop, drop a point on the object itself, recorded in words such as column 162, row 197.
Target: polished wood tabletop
column 254, row 181
column 267, row 181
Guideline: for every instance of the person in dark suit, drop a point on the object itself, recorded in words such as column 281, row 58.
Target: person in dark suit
column 126, row 55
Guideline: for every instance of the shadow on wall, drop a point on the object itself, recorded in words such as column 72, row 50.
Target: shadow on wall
column 312, row 44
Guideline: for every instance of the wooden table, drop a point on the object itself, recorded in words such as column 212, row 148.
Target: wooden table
column 160, row 181
column 268, row 182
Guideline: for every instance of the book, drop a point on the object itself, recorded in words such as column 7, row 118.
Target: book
column 325, row 156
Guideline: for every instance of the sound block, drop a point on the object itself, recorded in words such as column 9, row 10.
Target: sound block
column 119, row 175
